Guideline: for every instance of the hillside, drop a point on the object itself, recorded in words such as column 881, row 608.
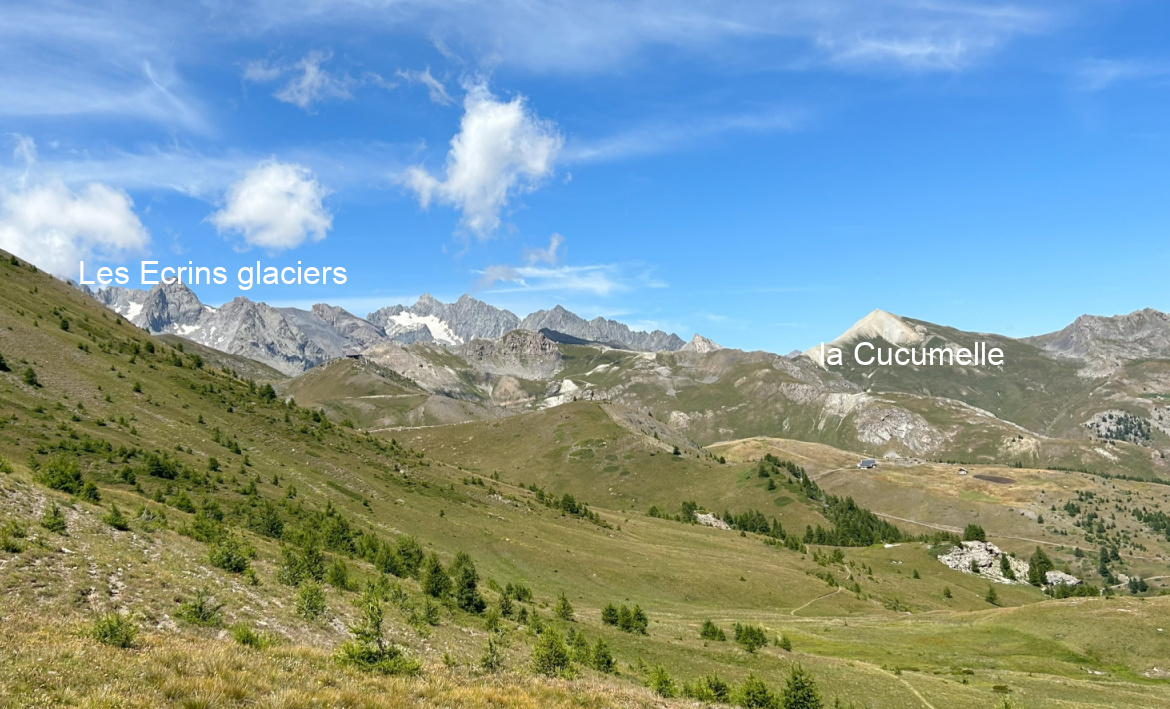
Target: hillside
column 111, row 416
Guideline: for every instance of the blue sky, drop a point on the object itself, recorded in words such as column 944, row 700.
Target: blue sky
column 764, row 173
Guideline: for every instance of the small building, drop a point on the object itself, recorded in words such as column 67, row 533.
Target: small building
column 867, row 463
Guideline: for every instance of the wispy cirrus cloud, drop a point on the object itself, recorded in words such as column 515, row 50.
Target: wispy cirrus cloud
column 435, row 88
column 1102, row 74
column 547, row 36
column 543, row 271
column 659, row 135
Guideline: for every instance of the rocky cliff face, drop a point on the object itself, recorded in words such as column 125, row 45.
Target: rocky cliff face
column 601, row 330
column 358, row 332
column 528, row 355
column 1105, row 343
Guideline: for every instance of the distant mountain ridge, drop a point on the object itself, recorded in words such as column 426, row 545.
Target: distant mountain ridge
column 293, row 340
column 468, row 360
column 1104, row 343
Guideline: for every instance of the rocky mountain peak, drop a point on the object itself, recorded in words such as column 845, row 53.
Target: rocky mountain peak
column 701, row 345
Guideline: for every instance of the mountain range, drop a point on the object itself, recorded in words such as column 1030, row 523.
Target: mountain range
column 1060, row 399
column 292, row 340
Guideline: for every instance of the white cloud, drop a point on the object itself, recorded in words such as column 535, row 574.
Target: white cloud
column 502, row 148
column 551, row 256
column 552, row 36
column 601, row 279
column 261, row 71
column 543, row 272
column 435, row 89
column 25, row 150
column 657, row 136
column 87, row 59
column 276, row 206
column 1101, row 74
column 312, row 83
column 56, row 227
column 350, row 165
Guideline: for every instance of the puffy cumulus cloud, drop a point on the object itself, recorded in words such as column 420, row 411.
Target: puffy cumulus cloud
column 55, row 227
column 502, row 149
column 275, row 206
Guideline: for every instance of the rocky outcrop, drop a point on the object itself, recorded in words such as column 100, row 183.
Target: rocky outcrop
column 709, row 520
column 987, row 558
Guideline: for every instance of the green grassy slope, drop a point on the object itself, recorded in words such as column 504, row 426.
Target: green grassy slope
column 130, row 418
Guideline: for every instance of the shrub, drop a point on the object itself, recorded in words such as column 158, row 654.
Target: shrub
column 992, row 597
column 660, row 680
column 338, row 575
column 5, row 466
column 785, row 644
column 115, row 630
column 230, row 554
column 550, row 657
column 368, row 650
column 974, row 533
column 201, row 609
column 753, row 693
column 564, row 609
column 1038, row 567
column 53, row 519
column 410, row 553
column 246, row 636
column 466, row 585
column 579, row 647
column 29, row 377
column 9, row 545
column 310, row 600
column 609, row 614
column 491, row 660
column 710, row 631
column 435, row 581
column 61, row 473
column 602, row 659
column 90, row 493
column 750, row 637
column 632, row 621
column 801, row 691
column 115, row 518
column 710, row 690
column 298, row 565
